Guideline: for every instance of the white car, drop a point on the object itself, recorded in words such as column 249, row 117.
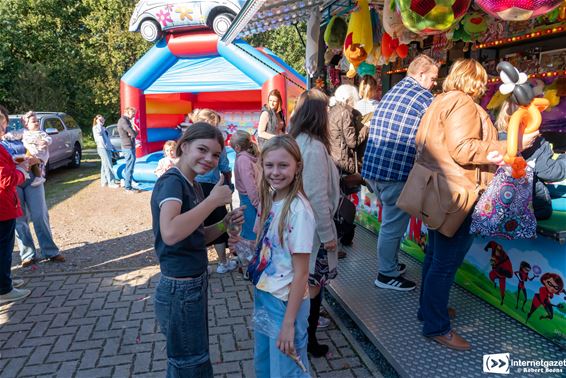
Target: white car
column 153, row 17
column 67, row 137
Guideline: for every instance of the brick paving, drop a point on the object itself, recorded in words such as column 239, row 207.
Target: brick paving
column 102, row 324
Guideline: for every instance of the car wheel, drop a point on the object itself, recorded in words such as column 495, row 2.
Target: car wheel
column 150, row 30
column 221, row 23
column 76, row 159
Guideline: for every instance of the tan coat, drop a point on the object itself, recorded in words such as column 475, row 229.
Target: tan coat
column 460, row 135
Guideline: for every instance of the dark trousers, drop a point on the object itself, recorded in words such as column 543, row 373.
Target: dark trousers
column 7, row 237
column 443, row 257
column 181, row 309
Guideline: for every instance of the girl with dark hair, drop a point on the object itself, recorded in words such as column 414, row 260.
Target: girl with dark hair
column 309, row 126
column 272, row 119
column 178, row 210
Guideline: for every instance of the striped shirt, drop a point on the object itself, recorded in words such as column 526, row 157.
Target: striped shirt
column 390, row 151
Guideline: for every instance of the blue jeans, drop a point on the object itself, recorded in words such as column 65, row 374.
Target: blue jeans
column 443, row 257
column 268, row 359
column 394, row 223
column 130, row 156
column 250, row 213
column 34, row 206
column 181, row 309
column 7, row 229
column 106, row 174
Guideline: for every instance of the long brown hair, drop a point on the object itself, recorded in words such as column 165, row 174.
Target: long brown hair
column 311, row 116
column 199, row 130
column 266, row 192
column 276, row 93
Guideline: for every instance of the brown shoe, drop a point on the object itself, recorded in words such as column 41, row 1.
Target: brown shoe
column 27, row 263
column 342, row 254
column 453, row 341
column 59, row 258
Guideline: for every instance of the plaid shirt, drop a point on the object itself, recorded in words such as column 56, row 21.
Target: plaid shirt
column 390, row 151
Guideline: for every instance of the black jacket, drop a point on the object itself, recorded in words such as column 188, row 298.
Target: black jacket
column 546, row 169
column 127, row 133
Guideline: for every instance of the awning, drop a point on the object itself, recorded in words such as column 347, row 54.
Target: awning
column 258, row 16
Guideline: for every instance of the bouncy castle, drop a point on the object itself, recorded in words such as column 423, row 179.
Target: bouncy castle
column 194, row 70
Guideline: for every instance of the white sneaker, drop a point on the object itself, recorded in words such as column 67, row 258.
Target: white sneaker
column 323, row 322
column 113, row 185
column 37, row 181
column 229, row 266
column 17, row 282
column 14, row 295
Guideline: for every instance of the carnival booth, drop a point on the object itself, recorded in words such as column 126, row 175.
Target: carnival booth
column 523, row 278
column 195, row 70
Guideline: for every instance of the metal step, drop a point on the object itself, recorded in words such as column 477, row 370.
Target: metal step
column 388, row 318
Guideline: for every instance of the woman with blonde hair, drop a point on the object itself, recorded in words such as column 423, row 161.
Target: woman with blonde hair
column 457, row 139
column 104, row 148
column 368, row 96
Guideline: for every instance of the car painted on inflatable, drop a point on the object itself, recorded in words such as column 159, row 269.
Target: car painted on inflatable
column 153, row 17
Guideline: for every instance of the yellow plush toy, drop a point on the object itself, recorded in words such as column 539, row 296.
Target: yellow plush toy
column 551, row 94
column 359, row 38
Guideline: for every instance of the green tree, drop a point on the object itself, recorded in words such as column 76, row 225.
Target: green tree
column 286, row 43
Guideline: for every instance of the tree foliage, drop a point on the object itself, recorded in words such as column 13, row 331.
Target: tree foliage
column 62, row 55
column 285, row 42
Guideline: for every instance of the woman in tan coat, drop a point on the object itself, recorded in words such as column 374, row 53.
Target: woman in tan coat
column 457, row 139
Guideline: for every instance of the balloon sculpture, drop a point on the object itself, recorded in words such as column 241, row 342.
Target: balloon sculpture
column 428, row 17
column 526, row 119
column 517, row 10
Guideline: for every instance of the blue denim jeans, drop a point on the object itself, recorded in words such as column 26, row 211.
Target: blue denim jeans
column 181, row 309
column 394, row 223
column 268, row 359
column 7, row 229
column 130, row 156
column 34, row 206
column 443, row 257
column 250, row 213
column 106, row 174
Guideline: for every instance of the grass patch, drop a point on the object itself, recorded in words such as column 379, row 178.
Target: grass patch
column 64, row 182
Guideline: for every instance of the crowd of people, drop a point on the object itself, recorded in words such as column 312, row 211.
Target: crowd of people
column 290, row 187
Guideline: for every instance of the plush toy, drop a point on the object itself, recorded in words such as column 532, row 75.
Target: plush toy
column 495, row 31
column 517, row 10
column 359, row 39
column 335, row 32
column 429, row 17
column 551, row 94
column 391, row 45
column 393, row 24
column 366, row 69
column 471, row 28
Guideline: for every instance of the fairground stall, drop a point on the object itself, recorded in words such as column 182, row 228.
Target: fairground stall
column 194, row 70
column 380, row 38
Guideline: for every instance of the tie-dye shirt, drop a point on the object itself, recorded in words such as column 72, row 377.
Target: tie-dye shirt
column 298, row 237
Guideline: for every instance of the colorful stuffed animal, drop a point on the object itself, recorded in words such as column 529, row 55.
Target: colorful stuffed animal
column 429, row 17
column 390, row 46
column 359, row 39
column 393, row 24
column 517, row 10
column 335, row 32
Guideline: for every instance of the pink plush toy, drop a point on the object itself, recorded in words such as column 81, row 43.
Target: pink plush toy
column 517, row 10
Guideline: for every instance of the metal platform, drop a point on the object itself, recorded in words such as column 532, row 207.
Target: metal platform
column 388, row 318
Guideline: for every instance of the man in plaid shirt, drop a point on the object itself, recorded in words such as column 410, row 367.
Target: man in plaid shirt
column 389, row 157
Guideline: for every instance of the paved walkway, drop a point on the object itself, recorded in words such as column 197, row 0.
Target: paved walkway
column 101, row 324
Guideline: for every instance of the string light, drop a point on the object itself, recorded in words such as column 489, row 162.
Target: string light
column 534, row 76
column 537, row 34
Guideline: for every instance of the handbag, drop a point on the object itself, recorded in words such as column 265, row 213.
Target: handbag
column 505, row 209
column 442, row 199
column 344, row 216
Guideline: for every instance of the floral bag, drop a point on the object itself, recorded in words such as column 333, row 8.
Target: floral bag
column 505, row 209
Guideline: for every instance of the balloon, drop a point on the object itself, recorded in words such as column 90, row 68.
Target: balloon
column 517, row 10
column 526, row 119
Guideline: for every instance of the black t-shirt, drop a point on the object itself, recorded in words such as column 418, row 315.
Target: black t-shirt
column 187, row 258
